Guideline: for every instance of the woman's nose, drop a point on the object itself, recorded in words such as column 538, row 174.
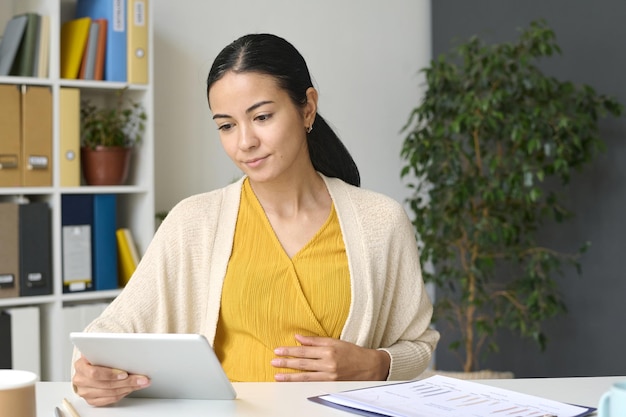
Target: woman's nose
column 247, row 139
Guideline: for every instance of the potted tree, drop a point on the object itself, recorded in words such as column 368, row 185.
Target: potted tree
column 108, row 135
column 487, row 153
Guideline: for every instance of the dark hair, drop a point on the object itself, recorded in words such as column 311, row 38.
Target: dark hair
column 272, row 55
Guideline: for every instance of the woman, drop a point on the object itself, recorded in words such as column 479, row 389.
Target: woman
column 293, row 273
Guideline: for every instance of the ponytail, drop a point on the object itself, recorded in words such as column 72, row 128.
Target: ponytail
column 329, row 155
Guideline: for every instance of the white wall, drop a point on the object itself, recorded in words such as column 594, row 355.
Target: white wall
column 364, row 57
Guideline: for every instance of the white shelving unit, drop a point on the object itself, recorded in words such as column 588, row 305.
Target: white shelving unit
column 135, row 201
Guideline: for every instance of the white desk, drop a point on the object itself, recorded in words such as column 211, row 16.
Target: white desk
column 275, row 399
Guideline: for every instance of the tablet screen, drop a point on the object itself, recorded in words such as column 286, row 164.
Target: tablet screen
column 178, row 365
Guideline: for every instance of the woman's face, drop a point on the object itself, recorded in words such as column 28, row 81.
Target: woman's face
column 260, row 127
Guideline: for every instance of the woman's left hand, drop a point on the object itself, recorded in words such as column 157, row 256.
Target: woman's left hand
column 328, row 359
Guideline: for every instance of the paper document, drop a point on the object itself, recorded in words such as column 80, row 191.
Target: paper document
column 441, row 396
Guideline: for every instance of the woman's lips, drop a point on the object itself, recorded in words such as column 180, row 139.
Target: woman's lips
column 255, row 162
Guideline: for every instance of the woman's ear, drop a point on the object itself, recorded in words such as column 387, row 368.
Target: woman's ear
column 310, row 108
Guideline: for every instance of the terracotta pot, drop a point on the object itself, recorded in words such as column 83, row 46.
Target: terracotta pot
column 105, row 165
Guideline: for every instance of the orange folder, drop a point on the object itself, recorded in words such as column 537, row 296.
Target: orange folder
column 100, row 49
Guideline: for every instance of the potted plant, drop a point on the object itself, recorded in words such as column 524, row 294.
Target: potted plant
column 108, row 135
column 487, row 154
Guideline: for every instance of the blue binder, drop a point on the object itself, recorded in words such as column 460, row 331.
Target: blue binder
column 114, row 11
column 77, row 228
column 104, row 242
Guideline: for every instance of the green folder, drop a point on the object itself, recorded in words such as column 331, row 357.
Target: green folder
column 24, row 62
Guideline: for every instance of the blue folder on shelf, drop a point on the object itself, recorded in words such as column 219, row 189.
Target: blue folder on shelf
column 104, row 242
column 77, row 228
column 114, row 11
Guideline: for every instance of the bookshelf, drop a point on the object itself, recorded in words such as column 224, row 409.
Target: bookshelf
column 135, row 201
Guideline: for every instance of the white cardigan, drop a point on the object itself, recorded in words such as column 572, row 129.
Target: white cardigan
column 177, row 285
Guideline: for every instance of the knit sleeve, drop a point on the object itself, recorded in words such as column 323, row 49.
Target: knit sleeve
column 409, row 338
column 391, row 310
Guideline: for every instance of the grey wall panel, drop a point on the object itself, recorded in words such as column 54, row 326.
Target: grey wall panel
column 590, row 339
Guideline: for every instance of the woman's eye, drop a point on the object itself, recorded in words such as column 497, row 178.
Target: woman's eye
column 225, row 127
column 264, row 117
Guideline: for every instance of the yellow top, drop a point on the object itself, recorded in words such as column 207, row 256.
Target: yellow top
column 268, row 297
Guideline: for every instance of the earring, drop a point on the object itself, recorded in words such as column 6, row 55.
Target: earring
column 308, row 129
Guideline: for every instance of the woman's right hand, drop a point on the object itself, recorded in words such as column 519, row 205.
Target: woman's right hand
column 100, row 385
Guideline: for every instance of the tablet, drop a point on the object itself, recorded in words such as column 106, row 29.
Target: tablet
column 178, row 365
